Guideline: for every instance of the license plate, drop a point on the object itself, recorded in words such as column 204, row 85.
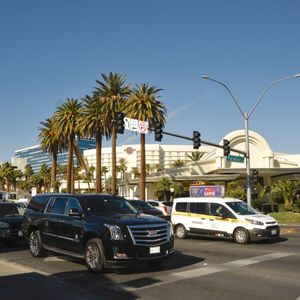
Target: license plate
column 273, row 231
column 20, row 233
column 154, row 250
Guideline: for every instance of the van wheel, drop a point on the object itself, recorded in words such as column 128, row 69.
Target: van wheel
column 241, row 236
column 180, row 232
column 35, row 244
column 94, row 255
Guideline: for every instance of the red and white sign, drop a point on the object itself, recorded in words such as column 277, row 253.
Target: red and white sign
column 136, row 125
column 143, row 127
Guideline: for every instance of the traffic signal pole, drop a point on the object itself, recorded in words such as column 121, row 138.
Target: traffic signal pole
column 203, row 142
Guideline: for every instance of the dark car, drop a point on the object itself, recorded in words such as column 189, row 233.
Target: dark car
column 104, row 230
column 146, row 208
column 11, row 218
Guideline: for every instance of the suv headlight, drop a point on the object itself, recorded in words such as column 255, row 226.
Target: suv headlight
column 171, row 231
column 4, row 225
column 115, row 232
column 254, row 222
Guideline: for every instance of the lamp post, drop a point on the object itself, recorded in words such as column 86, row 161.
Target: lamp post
column 246, row 117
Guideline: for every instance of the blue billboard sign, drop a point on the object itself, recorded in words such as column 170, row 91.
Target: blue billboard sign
column 207, row 191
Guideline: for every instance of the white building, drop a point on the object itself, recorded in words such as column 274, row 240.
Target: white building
column 212, row 167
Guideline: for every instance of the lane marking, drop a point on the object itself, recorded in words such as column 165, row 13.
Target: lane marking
column 207, row 270
column 13, row 268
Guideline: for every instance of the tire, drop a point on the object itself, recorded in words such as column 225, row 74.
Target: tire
column 36, row 244
column 241, row 236
column 94, row 255
column 180, row 231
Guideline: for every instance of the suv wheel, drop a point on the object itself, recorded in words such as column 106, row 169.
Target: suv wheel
column 181, row 232
column 35, row 244
column 241, row 236
column 94, row 255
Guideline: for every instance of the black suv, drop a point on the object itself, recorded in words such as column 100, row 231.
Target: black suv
column 11, row 219
column 104, row 230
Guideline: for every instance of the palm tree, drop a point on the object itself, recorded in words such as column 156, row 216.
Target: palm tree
column 104, row 170
column 194, row 156
column 45, row 174
column 135, row 172
column 122, row 167
column 149, row 169
column 92, row 123
column 113, row 91
column 287, row 189
column 177, row 164
column 178, row 189
column 7, row 173
column 163, row 185
column 28, row 172
column 66, row 116
column 144, row 105
column 53, row 143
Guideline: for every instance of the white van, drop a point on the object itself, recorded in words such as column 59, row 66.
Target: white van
column 221, row 217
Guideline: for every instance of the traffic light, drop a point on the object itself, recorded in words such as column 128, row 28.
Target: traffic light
column 158, row 131
column 226, row 147
column 254, row 176
column 120, row 122
column 196, row 139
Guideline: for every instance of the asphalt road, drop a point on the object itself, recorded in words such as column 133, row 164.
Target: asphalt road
column 201, row 268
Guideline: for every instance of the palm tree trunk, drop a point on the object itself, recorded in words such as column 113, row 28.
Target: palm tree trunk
column 143, row 167
column 98, row 162
column 7, row 185
column 114, row 160
column 70, row 165
column 54, row 171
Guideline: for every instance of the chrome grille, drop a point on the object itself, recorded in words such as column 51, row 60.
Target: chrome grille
column 149, row 234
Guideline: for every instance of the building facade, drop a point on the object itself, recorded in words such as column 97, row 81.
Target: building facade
column 36, row 157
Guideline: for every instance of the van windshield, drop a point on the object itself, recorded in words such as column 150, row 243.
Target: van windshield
column 241, row 208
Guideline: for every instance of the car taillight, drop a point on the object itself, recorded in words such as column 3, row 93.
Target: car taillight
column 165, row 208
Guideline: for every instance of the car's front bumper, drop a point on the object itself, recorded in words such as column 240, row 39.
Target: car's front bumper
column 270, row 232
column 10, row 234
column 131, row 262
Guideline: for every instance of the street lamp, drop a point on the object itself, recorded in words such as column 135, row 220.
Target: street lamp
column 246, row 117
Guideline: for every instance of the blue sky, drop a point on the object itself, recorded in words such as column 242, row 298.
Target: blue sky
column 53, row 50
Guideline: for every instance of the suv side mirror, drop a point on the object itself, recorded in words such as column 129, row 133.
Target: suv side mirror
column 75, row 212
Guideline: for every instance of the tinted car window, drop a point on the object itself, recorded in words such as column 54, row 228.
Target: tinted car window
column 198, row 208
column 181, row 206
column 9, row 210
column 58, row 206
column 72, row 204
column 38, row 203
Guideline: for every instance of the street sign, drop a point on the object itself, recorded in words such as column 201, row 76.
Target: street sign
column 234, row 158
column 136, row 125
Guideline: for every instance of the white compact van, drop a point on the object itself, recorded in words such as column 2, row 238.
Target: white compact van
column 221, row 217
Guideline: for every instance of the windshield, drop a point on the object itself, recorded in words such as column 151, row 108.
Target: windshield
column 241, row 208
column 141, row 204
column 10, row 210
column 109, row 205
